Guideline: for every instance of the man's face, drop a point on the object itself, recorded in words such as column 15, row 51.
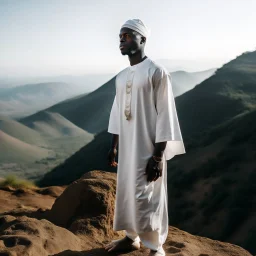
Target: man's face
column 130, row 41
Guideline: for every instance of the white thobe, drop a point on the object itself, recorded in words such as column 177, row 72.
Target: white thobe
column 143, row 113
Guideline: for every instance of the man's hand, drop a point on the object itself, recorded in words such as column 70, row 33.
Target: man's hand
column 111, row 157
column 153, row 170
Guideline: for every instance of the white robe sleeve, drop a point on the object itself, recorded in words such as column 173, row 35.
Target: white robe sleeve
column 113, row 126
column 167, row 123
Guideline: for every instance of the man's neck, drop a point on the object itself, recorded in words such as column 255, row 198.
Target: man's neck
column 135, row 59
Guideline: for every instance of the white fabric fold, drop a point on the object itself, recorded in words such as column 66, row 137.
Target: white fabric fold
column 137, row 25
column 140, row 205
column 167, row 123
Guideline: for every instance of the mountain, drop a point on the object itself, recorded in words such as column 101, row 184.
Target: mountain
column 184, row 81
column 83, row 83
column 229, row 92
column 33, row 150
column 62, row 135
column 89, row 112
column 213, row 184
column 81, row 110
column 190, row 65
column 14, row 150
column 27, row 99
column 93, row 156
column 21, row 132
column 54, row 125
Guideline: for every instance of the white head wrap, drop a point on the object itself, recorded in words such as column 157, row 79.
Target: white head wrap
column 137, row 25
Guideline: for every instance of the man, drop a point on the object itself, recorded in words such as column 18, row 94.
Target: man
column 145, row 126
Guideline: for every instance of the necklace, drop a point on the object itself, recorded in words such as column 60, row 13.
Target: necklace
column 128, row 89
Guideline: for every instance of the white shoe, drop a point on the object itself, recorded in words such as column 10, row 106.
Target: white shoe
column 157, row 253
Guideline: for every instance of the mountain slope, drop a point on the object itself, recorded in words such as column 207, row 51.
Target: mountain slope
column 54, row 125
column 213, row 185
column 184, row 81
column 21, row 132
column 91, row 111
column 92, row 156
column 229, row 92
column 14, row 150
column 24, row 149
column 27, row 99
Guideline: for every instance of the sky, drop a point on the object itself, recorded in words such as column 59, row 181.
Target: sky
column 73, row 37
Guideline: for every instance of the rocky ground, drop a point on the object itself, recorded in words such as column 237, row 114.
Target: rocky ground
column 77, row 220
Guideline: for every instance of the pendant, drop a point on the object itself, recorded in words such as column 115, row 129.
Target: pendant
column 128, row 117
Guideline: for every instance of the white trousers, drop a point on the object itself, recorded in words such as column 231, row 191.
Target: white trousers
column 152, row 240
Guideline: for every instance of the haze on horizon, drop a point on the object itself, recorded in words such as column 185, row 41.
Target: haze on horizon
column 44, row 38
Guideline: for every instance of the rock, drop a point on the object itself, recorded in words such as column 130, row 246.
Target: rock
column 53, row 191
column 80, row 221
column 87, row 206
column 31, row 237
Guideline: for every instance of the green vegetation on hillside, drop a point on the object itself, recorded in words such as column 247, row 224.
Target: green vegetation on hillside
column 229, row 92
column 91, row 157
column 227, row 181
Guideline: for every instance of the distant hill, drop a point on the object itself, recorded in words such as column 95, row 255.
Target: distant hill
column 82, row 110
column 21, row 132
column 89, row 112
column 14, row 150
column 27, row 99
column 190, row 65
column 54, row 125
column 61, row 134
column 184, row 81
column 24, row 149
column 82, row 83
